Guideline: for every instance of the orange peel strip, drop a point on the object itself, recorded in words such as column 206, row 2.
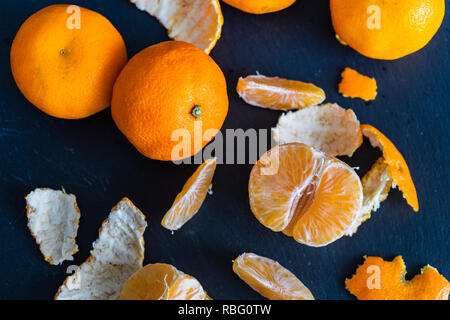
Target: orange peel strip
column 328, row 127
column 356, row 85
column 117, row 253
column 53, row 218
column 378, row 279
column 398, row 169
column 195, row 21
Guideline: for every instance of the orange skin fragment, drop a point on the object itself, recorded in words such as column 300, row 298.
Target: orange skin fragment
column 356, row 85
column 398, row 169
column 378, row 279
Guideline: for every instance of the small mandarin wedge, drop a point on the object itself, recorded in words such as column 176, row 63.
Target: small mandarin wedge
column 278, row 93
column 160, row 281
column 269, row 278
column 189, row 200
column 306, row 194
column 377, row 279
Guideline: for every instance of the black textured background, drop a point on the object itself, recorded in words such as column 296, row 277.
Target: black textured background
column 92, row 159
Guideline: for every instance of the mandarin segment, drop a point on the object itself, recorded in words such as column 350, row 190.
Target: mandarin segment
column 398, row 169
column 273, row 196
column 335, row 210
column 378, row 279
column 277, row 93
column 269, row 278
column 189, row 200
column 195, row 21
column 356, row 85
column 162, row 281
column 308, row 195
column 328, row 127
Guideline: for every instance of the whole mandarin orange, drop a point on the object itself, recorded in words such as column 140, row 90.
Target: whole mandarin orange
column 260, row 6
column 65, row 60
column 386, row 29
column 166, row 88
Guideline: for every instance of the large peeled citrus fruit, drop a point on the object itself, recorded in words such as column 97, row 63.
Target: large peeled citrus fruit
column 160, row 281
column 169, row 97
column 65, row 60
column 306, row 194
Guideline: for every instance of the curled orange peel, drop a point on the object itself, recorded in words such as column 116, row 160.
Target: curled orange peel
column 397, row 167
column 377, row 279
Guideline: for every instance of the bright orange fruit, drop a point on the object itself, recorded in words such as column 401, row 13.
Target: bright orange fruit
column 397, row 167
column 378, row 279
column 66, row 62
column 260, row 6
column 305, row 193
column 269, row 278
column 277, row 93
column 356, row 85
column 189, row 200
column 162, row 281
column 170, row 91
column 386, row 29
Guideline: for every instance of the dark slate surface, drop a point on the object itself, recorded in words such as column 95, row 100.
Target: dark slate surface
column 92, row 159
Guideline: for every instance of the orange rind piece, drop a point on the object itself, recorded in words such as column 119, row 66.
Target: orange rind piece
column 198, row 22
column 160, row 281
column 189, row 200
column 376, row 185
column 378, row 279
column 306, row 194
column 53, row 218
column 396, row 164
column 356, row 85
column 269, row 278
column 117, row 253
column 278, row 93
column 328, row 127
